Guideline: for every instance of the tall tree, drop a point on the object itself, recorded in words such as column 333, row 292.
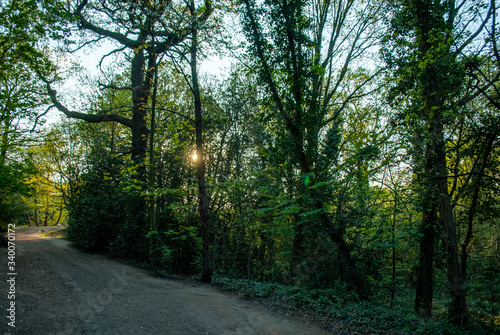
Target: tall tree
column 428, row 42
column 21, row 54
column 191, row 52
column 304, row 53
column 200, row 157
column 22, row 33
column 144, row 30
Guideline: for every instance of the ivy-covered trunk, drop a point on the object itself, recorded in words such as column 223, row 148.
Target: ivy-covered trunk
column 141, row 91
column 425, row 268
column 288, row 43
column 435, row 60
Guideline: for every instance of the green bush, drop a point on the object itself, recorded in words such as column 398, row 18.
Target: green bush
column 13, row 187
column 96, row 209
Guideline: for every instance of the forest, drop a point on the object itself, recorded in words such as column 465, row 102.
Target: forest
column 344, row 161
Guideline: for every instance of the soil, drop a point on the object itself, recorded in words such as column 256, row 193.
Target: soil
column 62, row 291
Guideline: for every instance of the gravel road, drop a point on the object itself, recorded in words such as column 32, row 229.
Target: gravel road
column 62, row 291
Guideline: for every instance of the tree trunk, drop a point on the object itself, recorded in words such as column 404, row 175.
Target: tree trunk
column 200, row 160
column 4, row 142
column 428, row 229
column 46, row 220
column 458, row 307
column 36, row 211
column 472, row 210
column 297, row 247
column 393, row 240
column 425, row 268
column 60, row 215
column 433, row 96
column 141, row 90
column 137, row 205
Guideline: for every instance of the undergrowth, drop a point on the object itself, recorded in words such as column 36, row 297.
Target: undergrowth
column 337, row 307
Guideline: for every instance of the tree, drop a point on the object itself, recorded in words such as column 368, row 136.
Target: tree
column 21, row 97
column 22, row 32
column 200, row 152
column 428, row 41
column 143, row 31
column 191, row 49
column 305, row 54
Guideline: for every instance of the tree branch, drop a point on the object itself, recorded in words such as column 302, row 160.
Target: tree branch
column 256, row 36
column 109, row 54
column 114, row 87
column 177, row 113
column 175, row 39
column 91, row 118
column 122, row 39
column 478, row 31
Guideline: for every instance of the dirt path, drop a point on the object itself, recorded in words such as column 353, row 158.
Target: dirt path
column 61, row 291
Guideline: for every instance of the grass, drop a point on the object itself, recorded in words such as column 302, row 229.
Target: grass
column 60, row 233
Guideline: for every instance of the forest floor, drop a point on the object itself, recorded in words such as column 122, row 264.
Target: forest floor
column 62, row 291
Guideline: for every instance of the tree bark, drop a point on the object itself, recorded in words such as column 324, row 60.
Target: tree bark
column 36, row 211
column 433, row 96
column 200, row 159
column 458, row 306
column 61, row 208
column 4, row 141
column 425, row 267
column 141, row 90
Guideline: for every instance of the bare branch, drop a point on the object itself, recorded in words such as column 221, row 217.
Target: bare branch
column 479, row 29
column 114, row 87
column 86, row 43
column 109, row 54
column 86, row 117
column 177, row 113
column 40, row 116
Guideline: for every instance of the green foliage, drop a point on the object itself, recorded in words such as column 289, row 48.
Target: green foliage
column 22, row 32
column 183, row 244
column 14, row 188
column 314, row 204
column 94, row 221
column 345, row 309
column 484, row 293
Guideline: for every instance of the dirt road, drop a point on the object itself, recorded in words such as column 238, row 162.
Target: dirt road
column 61, row 291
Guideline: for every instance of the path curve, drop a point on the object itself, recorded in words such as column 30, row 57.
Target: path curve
column 62, row 291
